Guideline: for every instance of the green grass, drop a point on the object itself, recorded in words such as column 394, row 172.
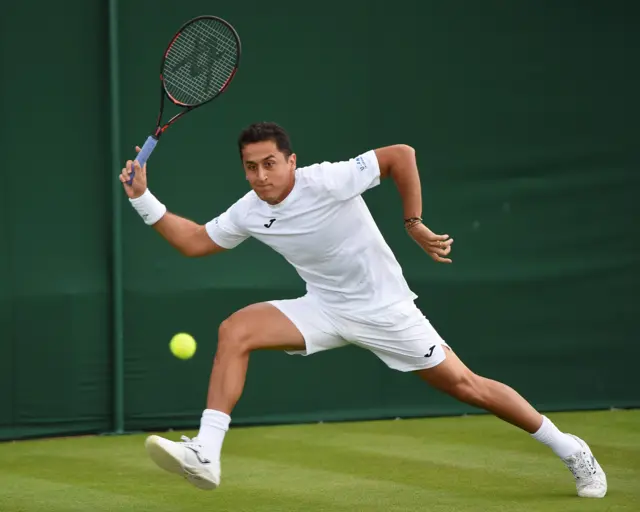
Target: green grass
column 472, row 463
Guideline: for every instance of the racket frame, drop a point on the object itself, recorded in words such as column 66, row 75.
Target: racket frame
column 152, row 140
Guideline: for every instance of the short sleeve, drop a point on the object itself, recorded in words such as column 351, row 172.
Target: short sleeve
column 226, row 229
column 352, row 177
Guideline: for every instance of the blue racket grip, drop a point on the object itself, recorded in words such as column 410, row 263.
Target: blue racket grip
column 144, row 155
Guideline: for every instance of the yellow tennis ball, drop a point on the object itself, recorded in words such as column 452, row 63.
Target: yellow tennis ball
column 182, row 345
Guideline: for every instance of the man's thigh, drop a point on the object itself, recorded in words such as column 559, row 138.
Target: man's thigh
column 401, row 337
column 261, row 326
column 317, row 328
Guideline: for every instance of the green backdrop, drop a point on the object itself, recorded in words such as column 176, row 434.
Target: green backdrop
column 523, row 117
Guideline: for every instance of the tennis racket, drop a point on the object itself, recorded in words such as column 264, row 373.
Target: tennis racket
column 197, row 66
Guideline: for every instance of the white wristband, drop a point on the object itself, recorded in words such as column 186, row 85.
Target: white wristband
column 148, row 207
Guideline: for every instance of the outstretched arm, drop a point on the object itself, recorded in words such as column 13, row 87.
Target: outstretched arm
column 398, row 162
column 188, row 237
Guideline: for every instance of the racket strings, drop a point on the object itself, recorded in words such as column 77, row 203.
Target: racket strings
column 201, row 69
column 200, row 62
column 194, row 48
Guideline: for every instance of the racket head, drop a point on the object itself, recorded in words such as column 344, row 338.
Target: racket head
column 200, row 61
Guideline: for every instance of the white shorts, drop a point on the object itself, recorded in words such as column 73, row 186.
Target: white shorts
column 400, row 336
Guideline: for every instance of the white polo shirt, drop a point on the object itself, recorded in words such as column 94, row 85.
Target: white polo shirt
column 324, row 229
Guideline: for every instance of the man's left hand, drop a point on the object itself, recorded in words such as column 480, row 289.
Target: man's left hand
column 436, row 246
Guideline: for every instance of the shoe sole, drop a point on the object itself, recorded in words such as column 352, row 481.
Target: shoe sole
column 169, row 463
column 161, row 457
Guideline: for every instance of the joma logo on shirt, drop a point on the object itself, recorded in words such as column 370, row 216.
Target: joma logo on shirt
column 270, row 222
column 360, row 163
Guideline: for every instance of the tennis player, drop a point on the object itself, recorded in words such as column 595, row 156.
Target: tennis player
column 356, row 294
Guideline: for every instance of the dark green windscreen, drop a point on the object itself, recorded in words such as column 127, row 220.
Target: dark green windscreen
column 523, row 117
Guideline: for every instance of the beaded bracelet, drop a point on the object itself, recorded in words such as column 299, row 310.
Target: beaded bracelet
column 412, row 221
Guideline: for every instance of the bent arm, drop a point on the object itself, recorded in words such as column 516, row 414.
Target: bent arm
column 399, row 163
column 188, row 237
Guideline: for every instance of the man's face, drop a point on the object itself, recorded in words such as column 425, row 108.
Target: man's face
column 268, row 171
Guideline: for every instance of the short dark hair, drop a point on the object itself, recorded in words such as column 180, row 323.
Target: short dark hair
column 259, row 132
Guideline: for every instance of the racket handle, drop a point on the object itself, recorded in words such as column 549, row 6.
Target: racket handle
column 144, row 155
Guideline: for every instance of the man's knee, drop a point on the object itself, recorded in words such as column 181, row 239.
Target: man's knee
column 461, row 383
column 454, row 378
column 234, row 335
column 468, row 388
column 256, row 327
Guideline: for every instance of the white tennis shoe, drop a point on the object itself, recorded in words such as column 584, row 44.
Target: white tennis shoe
column 591, row 482
column 185, row 458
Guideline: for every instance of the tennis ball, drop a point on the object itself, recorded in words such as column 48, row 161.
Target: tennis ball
column 182, row 345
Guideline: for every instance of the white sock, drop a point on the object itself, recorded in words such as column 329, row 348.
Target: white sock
column 213, row 427
column 562, row 444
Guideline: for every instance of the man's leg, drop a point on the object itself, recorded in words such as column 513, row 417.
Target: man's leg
column 454, row 378
column 405, row 340
column 259, row 326
column 256, row 327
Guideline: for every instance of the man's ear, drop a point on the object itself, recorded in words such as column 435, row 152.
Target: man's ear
column 292, row 161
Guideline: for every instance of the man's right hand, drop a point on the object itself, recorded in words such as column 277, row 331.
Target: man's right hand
column 139, row 184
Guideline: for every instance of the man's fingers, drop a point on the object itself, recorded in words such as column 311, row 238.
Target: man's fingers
column 441, row 252
column 138, row 149
column 442, row 248
column 438, row 255
column 138, row 169
column 440, row 259
column 441, row 243
column 124, row 176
